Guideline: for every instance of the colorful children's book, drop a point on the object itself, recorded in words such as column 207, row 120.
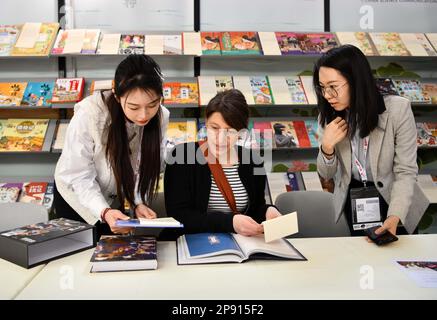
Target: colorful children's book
column 236, row 43
column 417, row 44
column 181, row 132
column 33, row 192
column 360, row 40
column 412, row 90
column 11, row 93
column 124, row 253
column 9, row 192
column 223, row 83
column 90, row 41
column 68, row 90
column 132, row 44
column 389, row 44
column 210, row 43
column 426, row 133
column 317, row 43
column 8, row 36
column 263, row 134
column 295, row 88
column 38, row 94
column 284, row 134
column 312, row 131
column 261, row 90
column 24, row 135
column 49, row 196
column 386, row 86
column 302, row 134
column 429, row 91
column 189, row 93
column 35, row 39
column 288, row 43
column 3, row 123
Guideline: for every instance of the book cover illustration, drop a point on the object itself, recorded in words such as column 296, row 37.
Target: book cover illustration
column 90, row 41
column 239, row 43
column 301, row 134
column 210, row 42
column 173, row 44
column 68, row 90
column 43, row 231
column 125, row 248
column 3, row 123
column 386, row 86
column 295, row 88
column 263, row 135
column 429, row 91
column 284, row 134
column 291, row 182
column 49, row 196
column 317, row 43
column 204, row 244
column 131, row 44
column 412, row 90
column 9, row 192
column 312, row 127
column 8, row 36
column 288, row 43
column 24, row 135
column 38, row 94
column 189, row 93
column 11, row 93
column 389, row 44
column 61, row 40
column 261, row 90
column 426, row 133
column 223, row 83
column 181, row 132
column 201, row 133
column 359, row 39
column 43, row 44
column 33, row 192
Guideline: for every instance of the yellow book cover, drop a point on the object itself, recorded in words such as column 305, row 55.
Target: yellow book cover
column 24, row 135
column 189, row 93
column 43, row 44
column 11, row 93
column 181, row 132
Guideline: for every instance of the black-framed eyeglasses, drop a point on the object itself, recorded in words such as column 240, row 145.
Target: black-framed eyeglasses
column 330, row 90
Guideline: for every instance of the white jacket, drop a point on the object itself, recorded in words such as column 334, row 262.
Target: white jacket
column 83, row 174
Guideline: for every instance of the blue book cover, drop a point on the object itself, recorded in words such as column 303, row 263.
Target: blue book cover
column 38, row 94
column 292, row 179
column 209, row 243
column 312, row 128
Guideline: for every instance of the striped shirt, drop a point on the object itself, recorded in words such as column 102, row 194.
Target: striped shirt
column 217, row 202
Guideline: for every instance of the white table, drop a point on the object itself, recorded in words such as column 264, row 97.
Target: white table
column 14, row 278
column 331, row 272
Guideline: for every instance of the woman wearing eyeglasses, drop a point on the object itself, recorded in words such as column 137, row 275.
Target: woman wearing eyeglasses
column 367, row 145
column 218, row 186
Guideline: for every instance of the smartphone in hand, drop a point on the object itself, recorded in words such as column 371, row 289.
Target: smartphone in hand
column 380, row 239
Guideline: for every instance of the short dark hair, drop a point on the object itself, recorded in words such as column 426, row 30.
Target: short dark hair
column 366, row 102
column 233, row 107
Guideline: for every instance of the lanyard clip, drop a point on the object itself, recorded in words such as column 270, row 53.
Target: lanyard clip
column 365, row 183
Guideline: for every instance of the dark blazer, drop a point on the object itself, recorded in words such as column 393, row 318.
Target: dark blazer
column 187, row 188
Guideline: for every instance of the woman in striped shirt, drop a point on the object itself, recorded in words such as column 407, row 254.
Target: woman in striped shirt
column 218, row 186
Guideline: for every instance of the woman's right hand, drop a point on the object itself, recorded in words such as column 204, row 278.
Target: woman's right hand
column 246, row 226
column 111, row 218
column 334, row 132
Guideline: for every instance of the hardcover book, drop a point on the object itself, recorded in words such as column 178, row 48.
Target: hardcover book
column 124, row 253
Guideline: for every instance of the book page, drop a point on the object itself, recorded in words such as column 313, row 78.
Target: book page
column 74, row 41
column 210, row 245
column 269, row 44
column 154, row 44
column 279, row 88
column 29, row 35
column 109, row 44
column 280, row 227
column 192, row 43
column 279, row 248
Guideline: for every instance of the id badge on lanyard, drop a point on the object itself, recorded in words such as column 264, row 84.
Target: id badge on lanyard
column 366, row 211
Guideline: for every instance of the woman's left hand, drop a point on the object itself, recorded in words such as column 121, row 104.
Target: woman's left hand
column 272, row 213
column 390, row 224
column 142, row 211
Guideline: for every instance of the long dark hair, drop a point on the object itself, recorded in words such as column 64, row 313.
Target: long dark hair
column 134, row 72
column 366, row 102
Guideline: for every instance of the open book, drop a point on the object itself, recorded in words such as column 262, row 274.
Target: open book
column 230, row 247
column 150, row 223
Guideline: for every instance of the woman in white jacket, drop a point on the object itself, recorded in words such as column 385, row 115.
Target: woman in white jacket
column 114, row 149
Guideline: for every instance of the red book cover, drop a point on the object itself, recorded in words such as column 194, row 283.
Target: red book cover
column 33, row 192
column 302, row 134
